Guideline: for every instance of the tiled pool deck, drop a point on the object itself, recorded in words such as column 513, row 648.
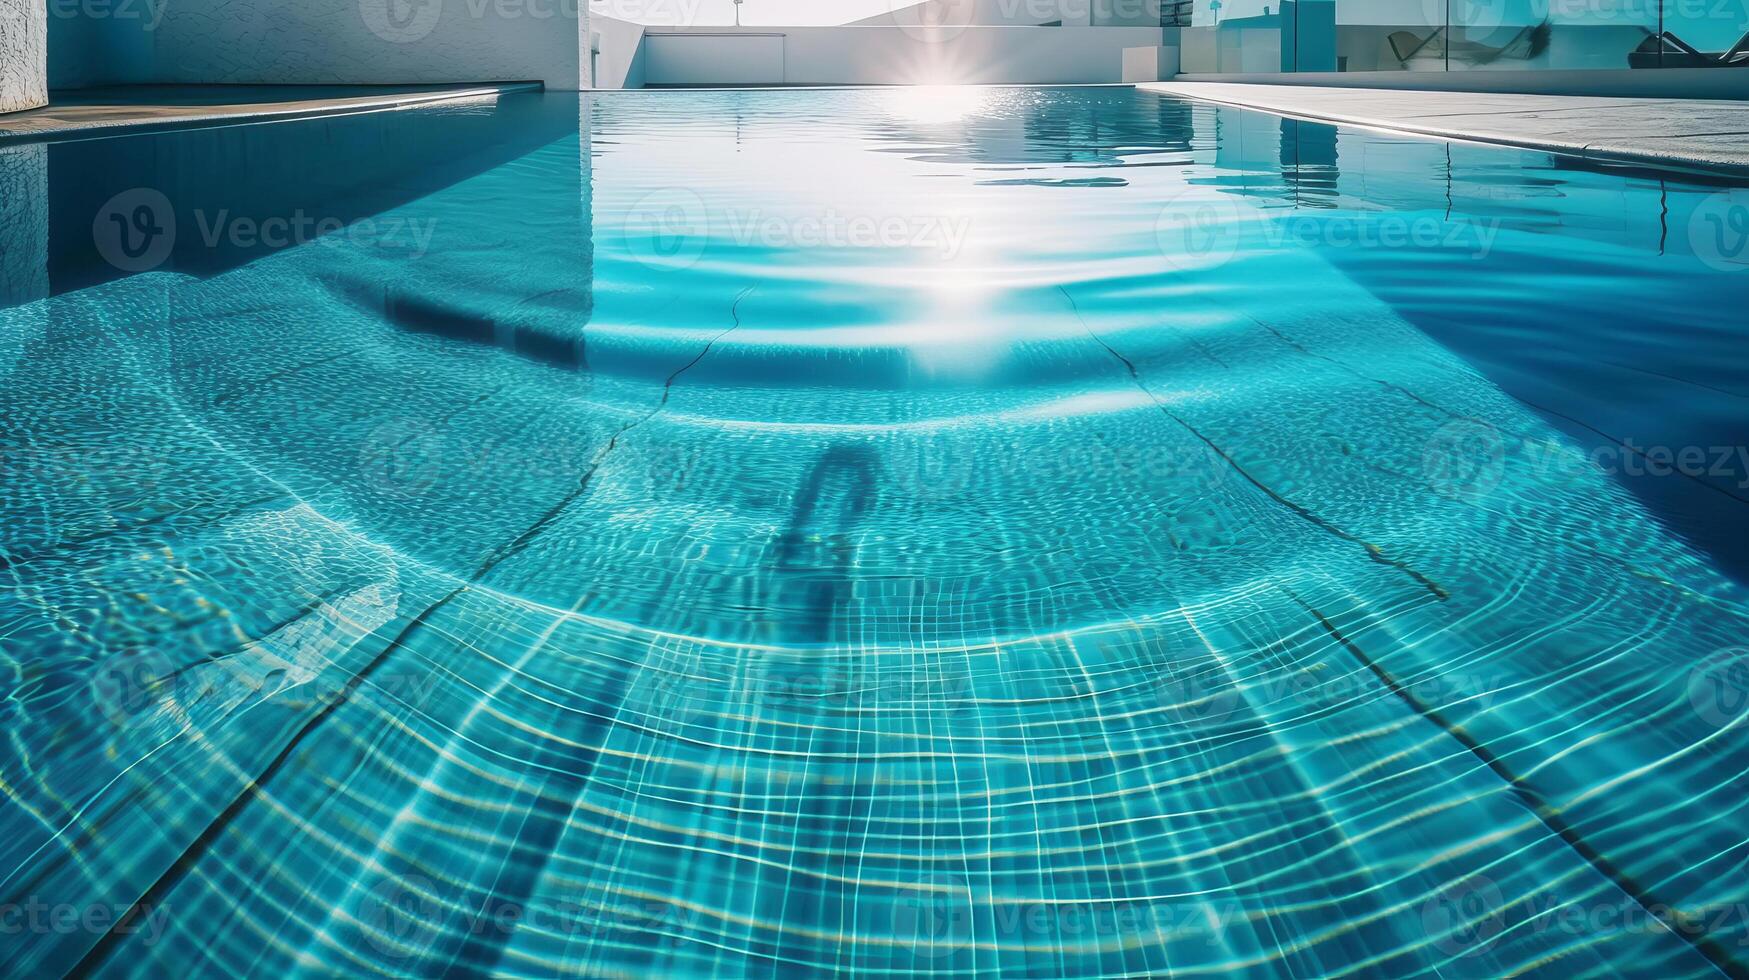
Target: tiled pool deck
column 1695, row 135
column 92, row 113
column 1684, row 134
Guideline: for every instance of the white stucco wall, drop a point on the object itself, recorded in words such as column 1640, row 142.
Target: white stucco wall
column 870, row 55
column 714, row 59
column 974, row 55
column 618, row 53
column 313, row 42
column 1010, row 13
column 23, row 54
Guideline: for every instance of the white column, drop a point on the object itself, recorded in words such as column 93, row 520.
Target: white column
column 24, row 41
column 585, row 51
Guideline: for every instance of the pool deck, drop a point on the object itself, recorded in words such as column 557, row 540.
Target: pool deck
column 123, row 111
column 1691, row 135
column 1698, row 136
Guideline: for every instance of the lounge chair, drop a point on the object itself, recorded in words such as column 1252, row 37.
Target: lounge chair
column 1435, row 52
column 1666, row 50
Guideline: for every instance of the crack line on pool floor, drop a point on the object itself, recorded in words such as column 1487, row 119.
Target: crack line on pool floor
column 1628, row 445
column 527, row 537
column 153, row 897
column 1353, row 371
column 78, row 833
column 1373, row 551
column 1528, row 796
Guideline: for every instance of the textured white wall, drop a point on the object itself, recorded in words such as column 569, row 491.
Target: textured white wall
column 23, row 54
column 714, row 59
column 317, row 42
column 618, row 53
column 864, row 55
column 974, row 55
column 1014, row 13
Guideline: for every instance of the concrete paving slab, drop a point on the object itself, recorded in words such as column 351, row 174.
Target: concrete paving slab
column 1679, row 134
column 97, row 113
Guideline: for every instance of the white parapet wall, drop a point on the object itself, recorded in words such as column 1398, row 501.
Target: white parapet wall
column 869, row 55
column 318, row 42
column 1156, row 64
column 994, row 13
column 23, row 54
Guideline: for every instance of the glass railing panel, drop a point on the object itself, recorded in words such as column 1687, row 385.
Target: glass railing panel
column 1381, row 35
column 1121, row 13
column 1269, row 36
column 1237, row 36
column 1704, row 34
column 1532, row 35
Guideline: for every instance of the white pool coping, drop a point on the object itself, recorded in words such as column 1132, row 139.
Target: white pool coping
column 130, row 110
column 1693, row 135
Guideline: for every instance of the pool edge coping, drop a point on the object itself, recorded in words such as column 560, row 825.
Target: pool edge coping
column 1676, row 163
column 353, row 105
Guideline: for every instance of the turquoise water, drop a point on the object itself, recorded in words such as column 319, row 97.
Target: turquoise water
column 970, row 532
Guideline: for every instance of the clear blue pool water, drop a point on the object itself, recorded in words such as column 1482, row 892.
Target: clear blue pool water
column 1033, row 532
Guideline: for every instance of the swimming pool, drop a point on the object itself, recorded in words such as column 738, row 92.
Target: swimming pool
column 986, row 531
